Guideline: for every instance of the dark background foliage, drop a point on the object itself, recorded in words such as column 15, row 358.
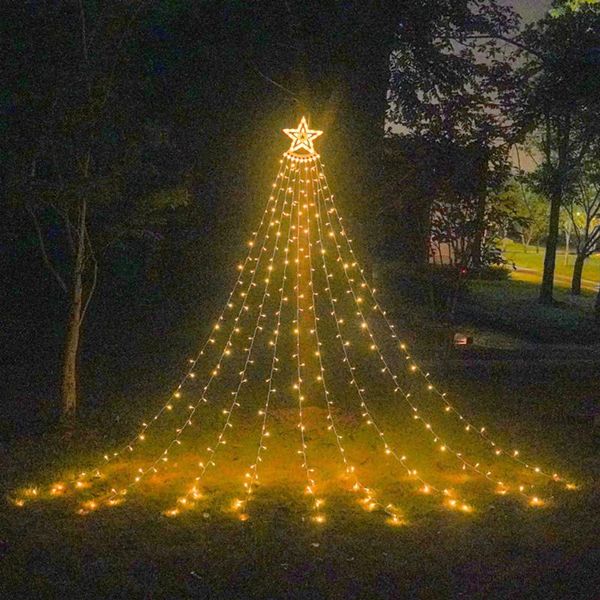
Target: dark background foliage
column 179, row 106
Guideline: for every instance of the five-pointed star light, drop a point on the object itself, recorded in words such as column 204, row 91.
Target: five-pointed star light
column 302, row 137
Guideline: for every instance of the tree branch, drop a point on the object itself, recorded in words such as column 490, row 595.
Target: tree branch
column 276, row 84
column 42, row 246
column 113, row 68
column 94, row 274
column 512, row 41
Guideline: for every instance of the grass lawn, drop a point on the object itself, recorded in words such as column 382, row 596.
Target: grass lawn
column 534, row 261
column 512, row 307
column 502, row 549
column 509, row 306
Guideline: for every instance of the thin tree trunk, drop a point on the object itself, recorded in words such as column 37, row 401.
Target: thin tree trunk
column 69, row 378
column 477, row 247
column 567, row 244
column 547, row 288
column 577, row 273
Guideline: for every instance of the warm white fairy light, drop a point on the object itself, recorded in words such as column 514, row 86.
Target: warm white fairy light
column 221, row 438
column 414, row 367
column 302, row 184
column 386, row 368
column 163, row 457
column 443, row 446
column 349, row 468
column 366, row 413
column 252, row 475
column 270, row 207
column 310, row 481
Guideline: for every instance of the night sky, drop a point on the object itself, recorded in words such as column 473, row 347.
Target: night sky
column 530, row 9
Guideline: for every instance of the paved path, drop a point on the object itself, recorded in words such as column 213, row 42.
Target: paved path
column 560, row 280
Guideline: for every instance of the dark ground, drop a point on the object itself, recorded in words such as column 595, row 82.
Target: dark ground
column 544, row 397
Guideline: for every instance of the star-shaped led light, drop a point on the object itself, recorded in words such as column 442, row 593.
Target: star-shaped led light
column 302, row 137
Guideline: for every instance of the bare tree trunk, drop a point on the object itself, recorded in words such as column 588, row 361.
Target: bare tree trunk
column 69, row 378
column 577, row 273
column 547, row 288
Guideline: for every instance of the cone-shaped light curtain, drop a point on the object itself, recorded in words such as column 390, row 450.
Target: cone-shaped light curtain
column 303, row 329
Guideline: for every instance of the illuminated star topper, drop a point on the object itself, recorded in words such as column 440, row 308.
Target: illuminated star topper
column 302, row 137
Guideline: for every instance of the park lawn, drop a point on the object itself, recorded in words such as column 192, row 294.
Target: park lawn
column 534, row 260
column 502, row 304
column 503, row 549
column 512, row 307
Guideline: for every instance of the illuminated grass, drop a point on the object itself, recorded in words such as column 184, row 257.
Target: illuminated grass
column 278, row 551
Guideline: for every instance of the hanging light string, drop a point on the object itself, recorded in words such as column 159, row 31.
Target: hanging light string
column 443, row 446
column 214, row 374
column 415, row 368
column 365, row 411
column 319, row 198
column 270, row 207
column 252, row 474
column 369, row 501
column 437, row 438
column 311, row 484
column 221, row 438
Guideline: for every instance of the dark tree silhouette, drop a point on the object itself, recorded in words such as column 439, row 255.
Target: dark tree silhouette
column 560, row 101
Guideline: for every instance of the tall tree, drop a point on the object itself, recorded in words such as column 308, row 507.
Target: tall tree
column 531, row 207
column 448, row 83
column 73, row 154
column 583, row 212
column 560, row 101
column 332, row 59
